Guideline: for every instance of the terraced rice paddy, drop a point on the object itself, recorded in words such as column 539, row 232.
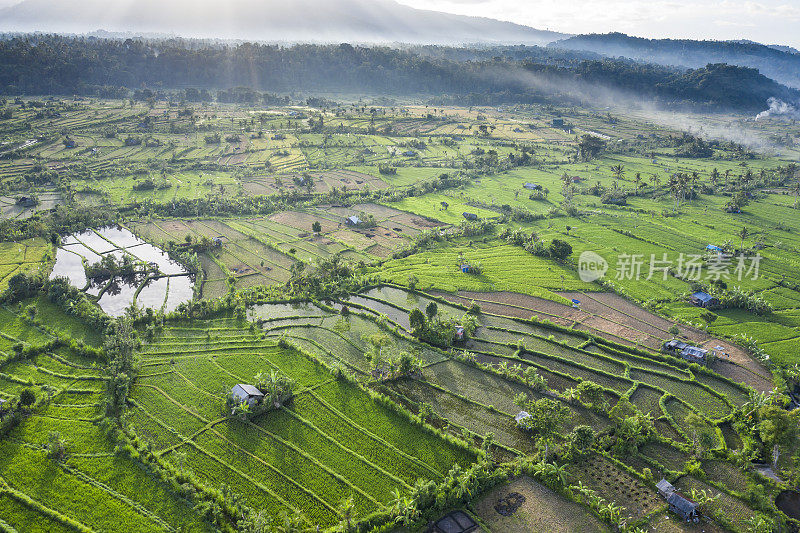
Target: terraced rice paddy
column 22, row 257
column 567, row 357
column 330, row 442
column 93, row 488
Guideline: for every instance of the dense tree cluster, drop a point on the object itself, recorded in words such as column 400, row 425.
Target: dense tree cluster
column 40, row 64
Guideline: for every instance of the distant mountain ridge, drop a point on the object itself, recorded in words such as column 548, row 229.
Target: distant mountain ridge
column 268, row 20
column 778, row 63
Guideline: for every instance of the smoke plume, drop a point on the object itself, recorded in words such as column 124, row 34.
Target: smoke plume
column 779, row 108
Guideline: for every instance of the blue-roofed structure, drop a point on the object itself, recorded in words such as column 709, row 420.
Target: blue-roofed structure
column 704, row 300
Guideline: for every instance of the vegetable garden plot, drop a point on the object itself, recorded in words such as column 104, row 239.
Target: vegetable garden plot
column 618, row 486
column 542, row 510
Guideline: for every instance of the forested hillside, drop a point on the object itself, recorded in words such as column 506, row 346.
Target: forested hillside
column 112, row 68
column 781, row 65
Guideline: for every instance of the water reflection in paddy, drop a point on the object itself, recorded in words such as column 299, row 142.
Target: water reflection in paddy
column 174, row 286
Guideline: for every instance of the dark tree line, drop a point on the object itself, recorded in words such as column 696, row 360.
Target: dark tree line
column 111, row 68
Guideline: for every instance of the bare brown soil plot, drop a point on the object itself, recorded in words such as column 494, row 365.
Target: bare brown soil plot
column 259, row 186
column 415, row 221
column 620, row 331
column 617, row 309
column 349, row 179
column 543, row 511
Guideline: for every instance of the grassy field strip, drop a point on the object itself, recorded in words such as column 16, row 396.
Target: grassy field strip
column 40, row 508
column 114, row 494
column 192, row 384
column 372, row 436
column 66, row 362
column 209, row 350
column 244, row 476
column 174, row 401
column 348, row 451
column 299, row 452
column 183, row 439
column 237, row 378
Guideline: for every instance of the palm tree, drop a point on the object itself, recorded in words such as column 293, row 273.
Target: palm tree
column 743, row 234
column 611, row 511
column 618, row 171
column 714, row 176
column 655, row 181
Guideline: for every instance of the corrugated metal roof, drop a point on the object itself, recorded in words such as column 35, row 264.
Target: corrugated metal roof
column 250, row 390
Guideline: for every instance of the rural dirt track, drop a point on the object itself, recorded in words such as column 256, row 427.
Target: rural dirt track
column 612, row 317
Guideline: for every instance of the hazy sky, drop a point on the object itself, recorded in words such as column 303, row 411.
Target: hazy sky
column 767, row 21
